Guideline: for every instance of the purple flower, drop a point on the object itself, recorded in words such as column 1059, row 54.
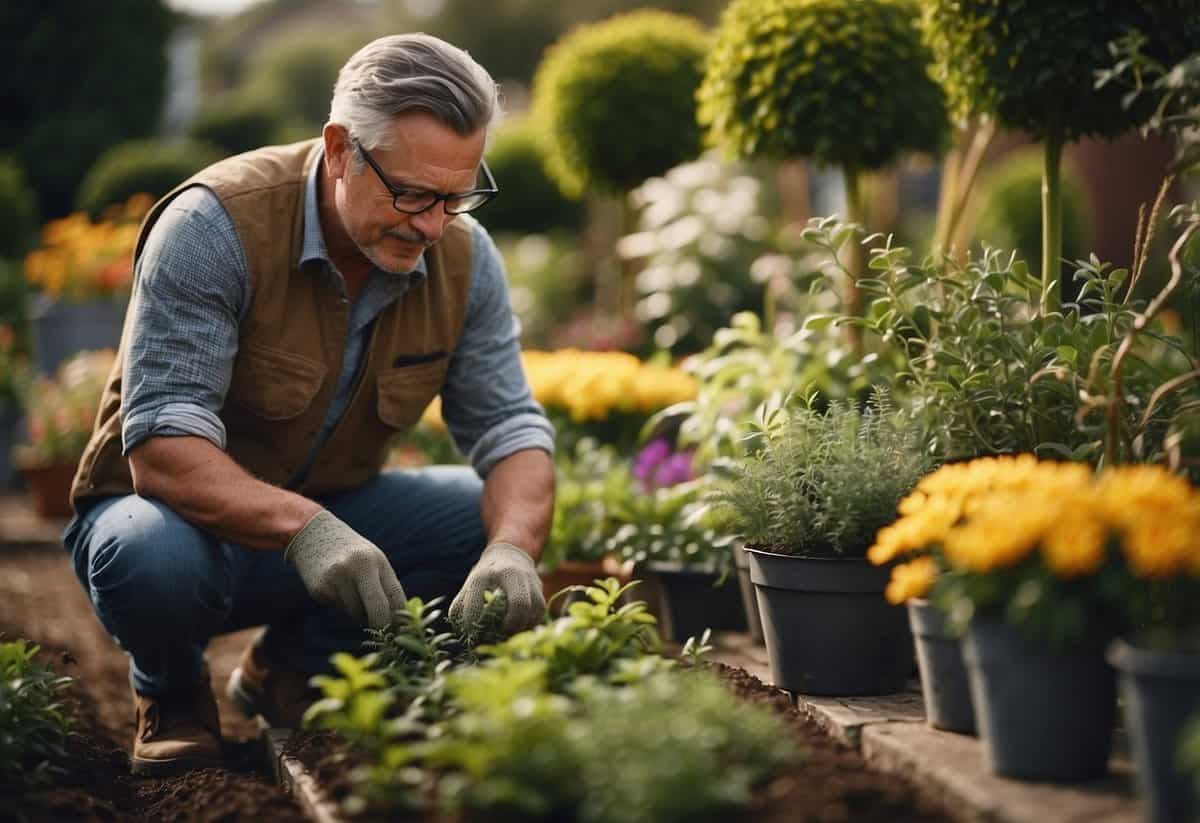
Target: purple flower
column 675, row 469
column 648, row 459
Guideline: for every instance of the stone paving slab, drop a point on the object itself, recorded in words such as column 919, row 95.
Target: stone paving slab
column 953, row 767
column 893, row 736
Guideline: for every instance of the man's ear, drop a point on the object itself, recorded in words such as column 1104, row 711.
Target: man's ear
column 337, row 150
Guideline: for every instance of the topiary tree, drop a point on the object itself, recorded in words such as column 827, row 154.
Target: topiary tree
column 1033, row 64
column 844, row 83
column 150, row 166
column 618, row 98
column 619, row 102
column 531, row 201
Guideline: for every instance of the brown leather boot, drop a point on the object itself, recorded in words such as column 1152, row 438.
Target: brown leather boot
column 261, row 687
column 176, row 732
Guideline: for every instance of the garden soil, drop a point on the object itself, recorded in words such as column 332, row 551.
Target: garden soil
column 40, row 600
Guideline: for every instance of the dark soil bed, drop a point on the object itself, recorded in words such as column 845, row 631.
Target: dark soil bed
column 41, row 601
column 833, row 784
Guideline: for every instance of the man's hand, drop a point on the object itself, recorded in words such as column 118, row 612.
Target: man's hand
column 513, row 570
column 342, row 568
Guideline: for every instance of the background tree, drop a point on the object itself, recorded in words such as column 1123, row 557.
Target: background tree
column 78, row 79
column 844, row 83
column 1033, row 64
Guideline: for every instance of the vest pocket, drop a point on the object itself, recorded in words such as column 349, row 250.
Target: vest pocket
column 272, row 383
column 405, row 392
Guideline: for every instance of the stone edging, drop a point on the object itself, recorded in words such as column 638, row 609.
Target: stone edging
column 291, row 775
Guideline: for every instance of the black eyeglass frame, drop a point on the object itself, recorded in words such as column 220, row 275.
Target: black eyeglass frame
column 395, row 192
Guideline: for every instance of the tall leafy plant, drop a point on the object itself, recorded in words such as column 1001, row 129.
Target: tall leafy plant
column 1031, row 64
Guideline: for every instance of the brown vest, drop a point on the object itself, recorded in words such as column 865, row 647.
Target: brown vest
column 291, row 342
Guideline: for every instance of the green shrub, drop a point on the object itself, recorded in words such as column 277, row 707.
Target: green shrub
column 151, row 166
column 239, row 122
column 18, row 210
column 1010, row 215
column 529, row 201
column 33, row 726
column 844, row 82
column 298, row 73
column 824, row 483
column 619, row 100
column 78, row 80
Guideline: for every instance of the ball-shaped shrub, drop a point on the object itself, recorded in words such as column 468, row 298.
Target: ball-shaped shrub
column 239, row 122
column 1010, row 215
column 618, row 98
column 529, row 200
column 1033, row 63
column 18, row 210
column 844, row 82
column 151, row 166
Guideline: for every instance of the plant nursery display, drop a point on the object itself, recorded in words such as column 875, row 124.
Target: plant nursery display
column 1044, row 565
column 808, row 506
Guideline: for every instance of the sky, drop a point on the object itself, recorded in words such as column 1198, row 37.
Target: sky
column 210, row 7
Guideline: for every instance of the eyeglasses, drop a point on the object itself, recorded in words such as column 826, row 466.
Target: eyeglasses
column 416, row 201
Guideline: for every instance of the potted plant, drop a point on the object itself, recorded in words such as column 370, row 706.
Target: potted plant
column 808, row 505
column 1042, row 566
column 925, row 515
column 60, row 413
column 82, row 273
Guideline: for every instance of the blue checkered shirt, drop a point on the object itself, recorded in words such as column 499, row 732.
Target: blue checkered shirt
column 192, row 290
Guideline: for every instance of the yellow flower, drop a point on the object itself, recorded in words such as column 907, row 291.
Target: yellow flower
column 909, row 580
column 1074, row 543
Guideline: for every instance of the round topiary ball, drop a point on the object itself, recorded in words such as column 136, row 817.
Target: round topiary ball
column 844, row 82
column 239, row 121
column 618, row 98
column 1033, row 63
column 150, row 166
column 529, row 200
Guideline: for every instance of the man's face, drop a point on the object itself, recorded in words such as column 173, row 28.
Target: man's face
column 424, row 154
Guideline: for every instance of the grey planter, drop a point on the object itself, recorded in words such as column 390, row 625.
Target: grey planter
column 826, row 626
column 1160, row 692
column 749, row 598
column 62, row 328
column 944, row 682
column 694, row 602
column 1042, row 715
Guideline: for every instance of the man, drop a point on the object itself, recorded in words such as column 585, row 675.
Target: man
column 293, row 308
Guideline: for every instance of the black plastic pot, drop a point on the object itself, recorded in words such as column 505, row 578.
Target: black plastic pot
column 826, row 626
column 693, row 602
column 943, row 675
column 1042, row 715
column 746, row 587
column 1160, row 692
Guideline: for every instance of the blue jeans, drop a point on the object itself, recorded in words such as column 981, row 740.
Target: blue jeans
column 163, row 588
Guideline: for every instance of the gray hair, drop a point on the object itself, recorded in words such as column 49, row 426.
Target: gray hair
column 404, row 73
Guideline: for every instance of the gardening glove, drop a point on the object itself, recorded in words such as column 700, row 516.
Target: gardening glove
column 342, row 568
column 505, row 566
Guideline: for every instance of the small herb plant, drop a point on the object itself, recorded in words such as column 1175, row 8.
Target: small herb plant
column 823, row 483
column 577, row 719
column 33, row 725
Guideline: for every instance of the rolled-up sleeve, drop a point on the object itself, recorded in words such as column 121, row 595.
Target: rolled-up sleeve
column 486, row 402
column 190, row 292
